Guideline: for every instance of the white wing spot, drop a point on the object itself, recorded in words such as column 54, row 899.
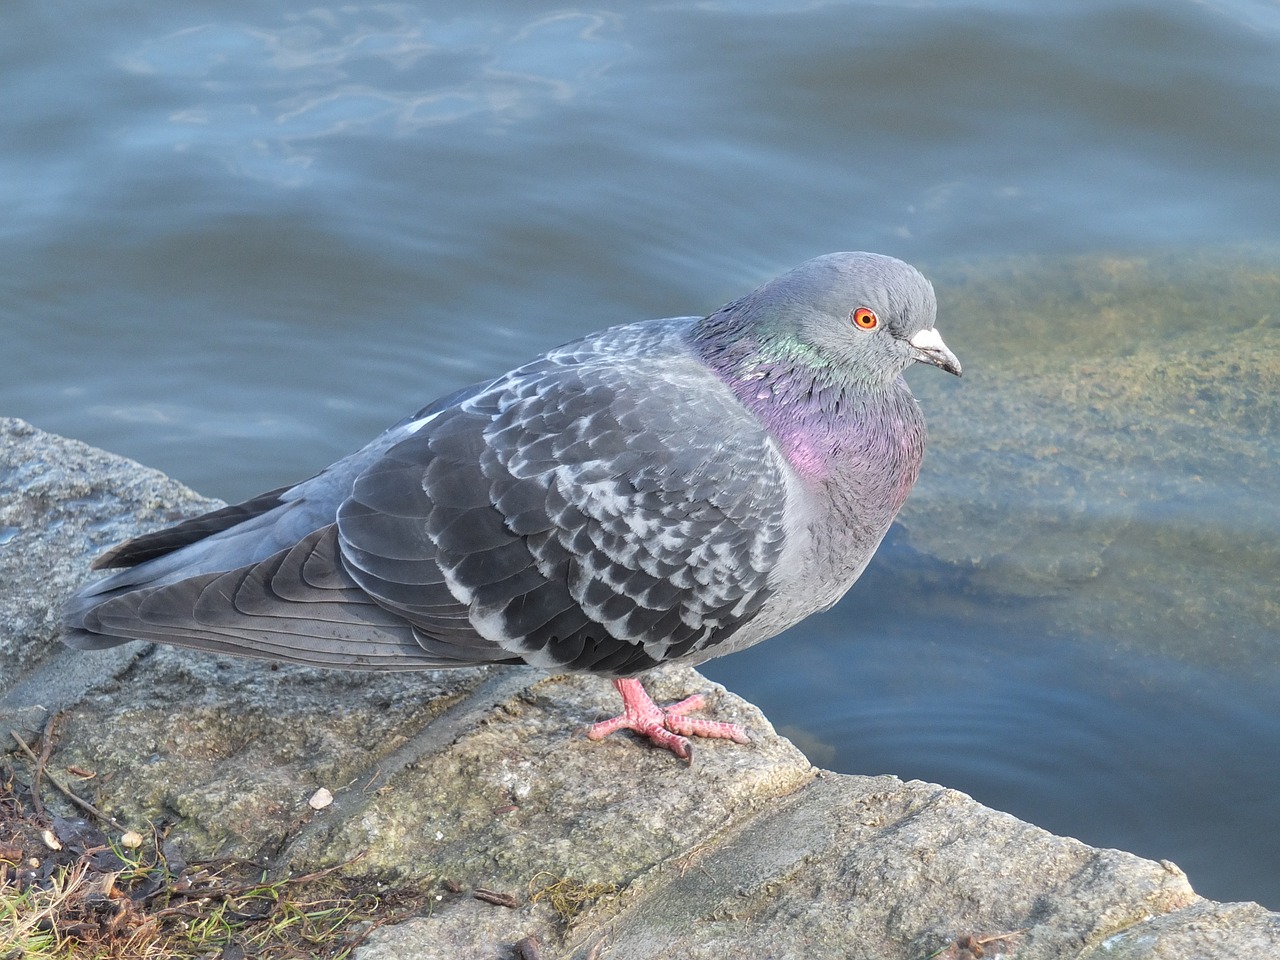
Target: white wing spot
column 413, row 426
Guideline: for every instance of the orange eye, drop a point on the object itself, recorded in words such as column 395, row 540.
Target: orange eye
column 865, row 318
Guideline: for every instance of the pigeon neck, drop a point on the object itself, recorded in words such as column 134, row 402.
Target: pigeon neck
column 832, row 428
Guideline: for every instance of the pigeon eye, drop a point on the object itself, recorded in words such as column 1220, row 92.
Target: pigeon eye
column 864, row 318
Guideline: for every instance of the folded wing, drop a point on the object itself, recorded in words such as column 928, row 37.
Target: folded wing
column 606, row 508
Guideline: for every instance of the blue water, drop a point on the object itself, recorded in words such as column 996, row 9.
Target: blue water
column 239, row 240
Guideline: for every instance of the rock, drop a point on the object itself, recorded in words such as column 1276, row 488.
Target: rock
column 476, row 782
column 131, row 840
column 1203, row 929
column 320, row 799
column 61, row 503
column 1118, row 438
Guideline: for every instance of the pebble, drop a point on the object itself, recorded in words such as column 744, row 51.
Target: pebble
column 320, row 799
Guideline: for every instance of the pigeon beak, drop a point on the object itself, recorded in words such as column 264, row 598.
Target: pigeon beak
column 929, row 348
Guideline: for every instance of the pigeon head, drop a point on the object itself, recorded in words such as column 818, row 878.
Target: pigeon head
column 848, row 318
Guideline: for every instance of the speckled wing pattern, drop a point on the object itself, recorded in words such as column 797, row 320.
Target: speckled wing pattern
column 606, row 508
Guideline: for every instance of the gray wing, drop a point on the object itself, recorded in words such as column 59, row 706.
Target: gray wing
column 606, row 508
column 602, row 514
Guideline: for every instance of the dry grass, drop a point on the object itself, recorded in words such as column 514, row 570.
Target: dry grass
column 568, row 897
column 70, row 890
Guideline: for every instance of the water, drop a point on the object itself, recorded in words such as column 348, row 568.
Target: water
column 238, row 241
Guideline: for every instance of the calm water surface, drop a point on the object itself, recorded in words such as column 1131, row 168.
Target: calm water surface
column 239, row 240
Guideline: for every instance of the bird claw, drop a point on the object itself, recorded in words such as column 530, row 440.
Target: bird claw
column 666, row 727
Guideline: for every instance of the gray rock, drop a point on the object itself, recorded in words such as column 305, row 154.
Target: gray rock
column 1203, row 929
column 62, row 502
column 476, row 777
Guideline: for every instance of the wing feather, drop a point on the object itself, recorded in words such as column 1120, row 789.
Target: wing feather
column 606, row 508
column 578, row 513
column 271, row 610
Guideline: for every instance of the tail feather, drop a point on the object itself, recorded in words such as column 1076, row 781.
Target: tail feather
column 161, row 542
column 298, row 605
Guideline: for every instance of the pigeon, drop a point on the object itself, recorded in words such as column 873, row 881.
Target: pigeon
column 658, row 492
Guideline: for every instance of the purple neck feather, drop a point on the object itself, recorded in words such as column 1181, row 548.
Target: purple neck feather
column 836, row 432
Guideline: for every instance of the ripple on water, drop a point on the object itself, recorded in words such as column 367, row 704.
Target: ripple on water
column 261, row 95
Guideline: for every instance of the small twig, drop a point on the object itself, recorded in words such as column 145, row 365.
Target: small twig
column 992, row 938
column 527, row 949
column 84, row 805
column 227, row 893
column 326, row 871
column 214, row 892
column 46, row 748
column 972, row 946
column 497, row 899
column 370, row 926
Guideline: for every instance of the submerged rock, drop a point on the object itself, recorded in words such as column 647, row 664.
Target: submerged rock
column 1112, row 455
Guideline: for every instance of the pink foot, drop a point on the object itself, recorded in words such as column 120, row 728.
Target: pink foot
column 663, row 726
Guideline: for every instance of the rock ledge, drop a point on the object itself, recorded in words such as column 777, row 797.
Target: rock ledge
column 473, row 778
